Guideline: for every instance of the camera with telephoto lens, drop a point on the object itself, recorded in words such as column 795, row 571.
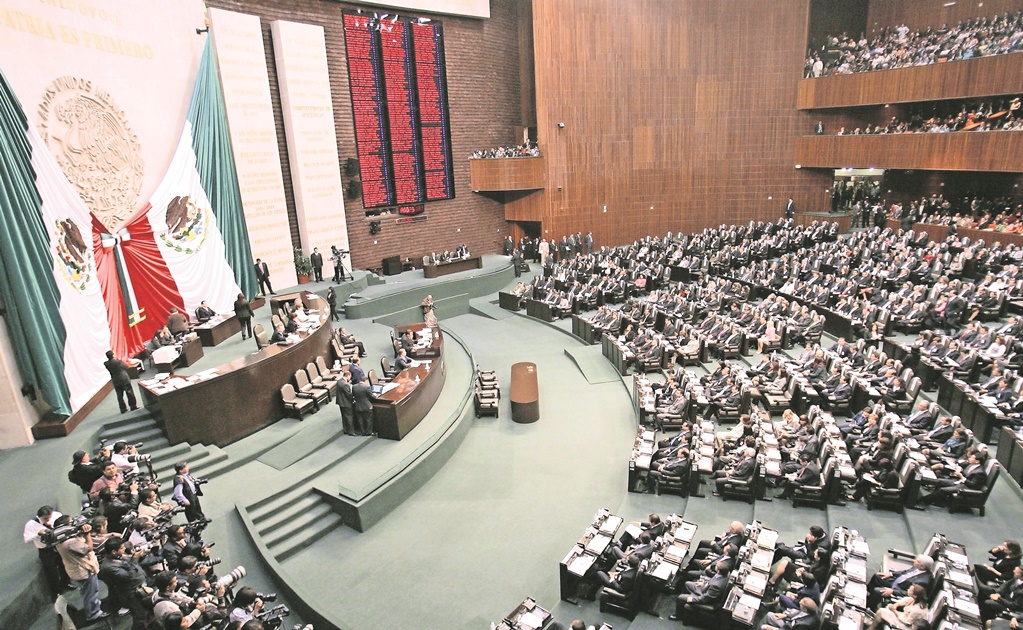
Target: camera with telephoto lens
column 267, row 598
column 231, row 578
column 67, row 531
column 272, row 618
column 198, row 481
column 195, row 527
column 139, row 457
column 166, row 515
column 210, row 562
column 299, row 626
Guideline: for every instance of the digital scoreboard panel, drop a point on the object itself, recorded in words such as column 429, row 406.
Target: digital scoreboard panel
column 399, row 102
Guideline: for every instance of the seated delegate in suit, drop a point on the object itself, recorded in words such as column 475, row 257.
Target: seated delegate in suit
column 897, row 583
column 706, row 592
column 402, row 362
column 652, row 526
column 278, row 335
column 809, row 474
column 742, row 471
column 803, row 619
column 1007, row 599
column 622, row 581
column 972, row 477
column 904, row 614
column 735, row 535
column 676, row 467
column 204, row 313
column 162, row 337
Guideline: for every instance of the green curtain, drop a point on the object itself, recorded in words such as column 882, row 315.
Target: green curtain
column 215, row 163
column 26, row 280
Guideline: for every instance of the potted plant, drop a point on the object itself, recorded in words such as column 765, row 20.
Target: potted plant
column 303, row 267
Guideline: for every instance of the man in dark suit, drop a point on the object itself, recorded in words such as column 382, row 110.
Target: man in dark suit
column 624, row 580
column 921, row 419
column 402, row 362
column 263, row 277
column 972, row 477
column 710, row 566
column 735, row 535
column 356, row 371
column 652, row 526
column 363, row 404
column 316, row 260
column 742, row 471
column 346, row 403
column 803, row 619
column 895, row 584
column 941, row 431
column 204, row 313
column 710, row 592
column 1008, row 598
column 278, row 335
column 176, row 323
column 676, row 467
column 122, row 382
column 809, row 474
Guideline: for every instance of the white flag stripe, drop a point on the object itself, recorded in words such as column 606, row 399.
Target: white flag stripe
column 192, row 247
column 81, row 299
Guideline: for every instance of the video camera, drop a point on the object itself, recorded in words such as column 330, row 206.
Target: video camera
column 57, row 535
column 272, row 617
column 268, row 598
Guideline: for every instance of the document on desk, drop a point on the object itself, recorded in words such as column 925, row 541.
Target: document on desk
column 387, row 387
column 665, row 571
column 530, row 620
column 581, row 564
column 598, row 543
column 685, row 531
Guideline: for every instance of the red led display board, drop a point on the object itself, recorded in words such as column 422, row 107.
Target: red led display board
column 399, row 102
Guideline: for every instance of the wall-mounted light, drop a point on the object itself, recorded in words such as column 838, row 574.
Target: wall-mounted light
column 561, row 125
column 799, row 166
column 605, row 205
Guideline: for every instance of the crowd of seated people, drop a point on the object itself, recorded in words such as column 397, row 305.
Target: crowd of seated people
column 459, row 253
column 975, row 211
column 985, row 116
column 899, row 47
column 526, row 149
column 156, row 565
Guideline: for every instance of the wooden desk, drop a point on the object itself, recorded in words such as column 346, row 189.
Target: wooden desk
column 400, row 409
column 416, row 330
column 509, row 301
column 216, row 331
column 525, row 393
column 191, row 352
column 245, row 395
column 454, row 266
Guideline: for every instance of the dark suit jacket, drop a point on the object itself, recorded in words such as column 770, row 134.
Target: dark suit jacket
column 262, row 271
column 118, row 372
column 344, row 395
column 177, row 323
column 363, row 401
column 357, row 374
column 402, row 362
column 810, row 476
column 712, row 592
column 744, row 469
column 924, row 579
column 625, row 580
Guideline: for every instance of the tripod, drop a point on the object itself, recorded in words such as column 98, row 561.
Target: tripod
column 340, row 271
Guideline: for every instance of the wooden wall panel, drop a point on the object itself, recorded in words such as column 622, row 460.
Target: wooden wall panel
column 987, row 76
column 678, row 115
column 920, row 14
column 963, row 151
column 525, row 173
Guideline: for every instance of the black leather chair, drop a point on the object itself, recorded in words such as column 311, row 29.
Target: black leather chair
column 977, row 498
column 624, row 604
column 894, row 498
column 818, row 495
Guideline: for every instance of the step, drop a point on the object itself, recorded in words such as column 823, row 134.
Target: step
column 324, row 526
column 274, row 502
column 297, row 527
column 165, row 465
column 275, row 518
column 136, row 432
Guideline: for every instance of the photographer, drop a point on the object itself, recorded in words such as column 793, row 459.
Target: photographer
column 246, row 605
column 53, row 568
column 111, row 506
column 124, row 578
column 113, row 480
column 168, row 601
column 150, row 508
column 84, row 472
column 125, row 464
column 82, row 566
column 187, row 492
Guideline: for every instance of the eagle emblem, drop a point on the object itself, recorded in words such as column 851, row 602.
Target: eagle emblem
column 73, row 256
column 187, row 225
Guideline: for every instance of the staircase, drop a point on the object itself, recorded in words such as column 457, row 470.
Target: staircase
column 290, row 521
column 204, row 461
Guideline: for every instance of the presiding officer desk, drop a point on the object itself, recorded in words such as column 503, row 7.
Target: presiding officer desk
column 437, row 270
column 225, row 403
column 410, row 396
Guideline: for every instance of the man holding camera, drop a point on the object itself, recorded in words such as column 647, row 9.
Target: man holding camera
column 82, row 567
column 112, row 479
column 53, row 568
column 187, row 492
column 123, row 575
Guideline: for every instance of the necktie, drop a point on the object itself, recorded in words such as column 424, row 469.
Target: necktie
column 905, row 576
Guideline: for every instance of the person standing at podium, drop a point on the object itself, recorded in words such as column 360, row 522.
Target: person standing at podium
column 429, row 316
column 363, row 403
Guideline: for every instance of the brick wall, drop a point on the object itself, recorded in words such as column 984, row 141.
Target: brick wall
column 484, row 101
